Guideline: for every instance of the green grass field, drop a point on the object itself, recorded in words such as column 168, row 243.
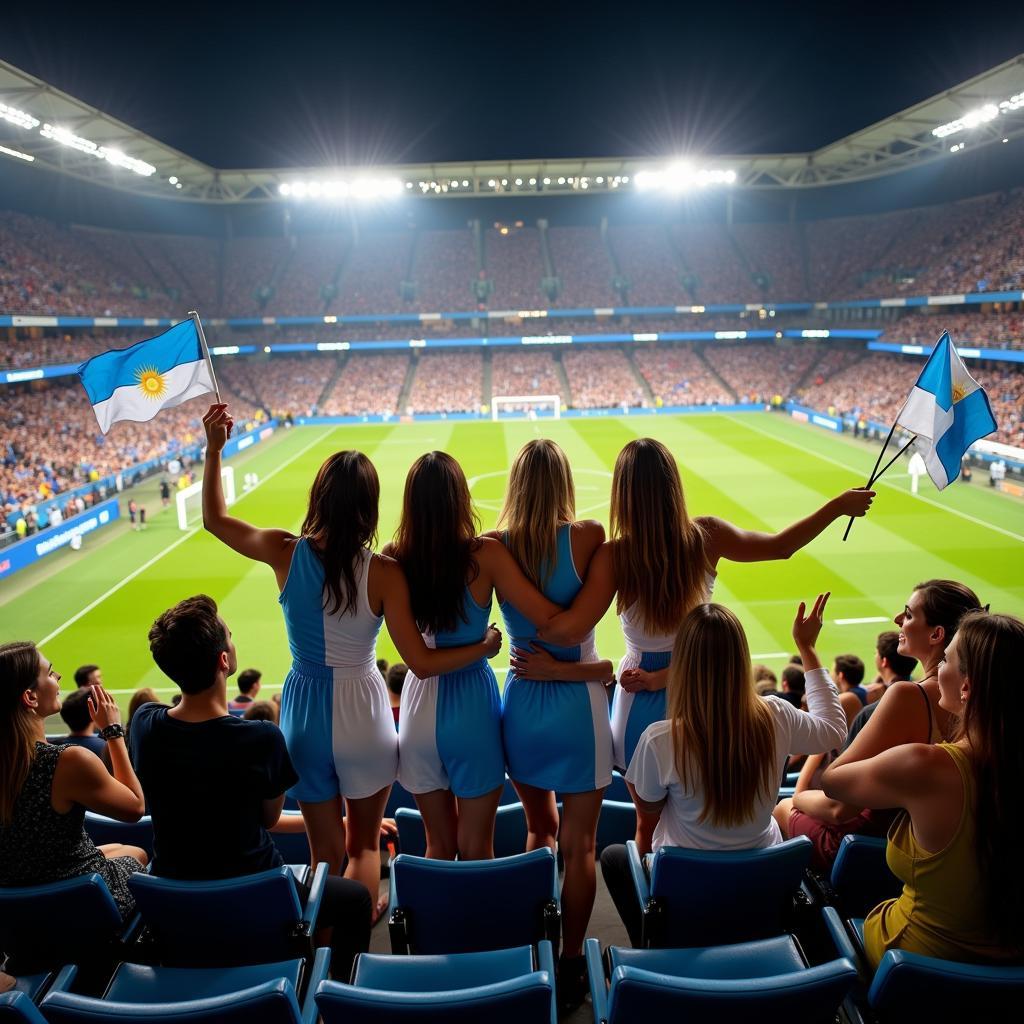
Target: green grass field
column 760, row 471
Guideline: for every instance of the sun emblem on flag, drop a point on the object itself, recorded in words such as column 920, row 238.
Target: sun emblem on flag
column 152, row 382
column 958, row 392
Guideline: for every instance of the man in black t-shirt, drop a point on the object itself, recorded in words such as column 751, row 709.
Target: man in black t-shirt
column 216, row 784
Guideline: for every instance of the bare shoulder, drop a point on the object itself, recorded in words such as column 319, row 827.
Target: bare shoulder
column 78, row 760
column 488, row 548
column 493, row 535
column 388, row 551
column 590, row 529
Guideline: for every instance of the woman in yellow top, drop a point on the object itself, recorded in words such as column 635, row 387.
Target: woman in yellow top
column 956, row 848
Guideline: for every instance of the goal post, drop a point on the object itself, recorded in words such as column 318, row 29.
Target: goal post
column 526, row 407
column 189, row 498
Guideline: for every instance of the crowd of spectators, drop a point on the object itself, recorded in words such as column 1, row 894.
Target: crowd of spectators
column 368, row 385
column 445, row 271
column 677, row 375
column 977, row 330
column 372, row 279
column 515, row 268
column 712, row 268
column 582, row 265
column 524, row 372
column 602, row 378
column 310, row 268
column 249, row 268
column 760, row 371
column 648, row 264
column 447, row 382
column 282, row 385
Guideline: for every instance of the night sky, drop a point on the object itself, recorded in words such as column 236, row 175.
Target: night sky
column 309, row 84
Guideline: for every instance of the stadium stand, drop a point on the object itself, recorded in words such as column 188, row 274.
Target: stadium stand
column 581, row 264
column 445, row 270
column 678, row 375
column 515, row 266
column 447, row 382
column 368, row 385
column 372, row 277
column 602, row 378
column 525, row 372
column 645, row 258
column 759, row 371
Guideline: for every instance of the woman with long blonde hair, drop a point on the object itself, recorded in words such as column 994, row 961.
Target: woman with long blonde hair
column 708, row 775
column 662, row 563
column 555, row 715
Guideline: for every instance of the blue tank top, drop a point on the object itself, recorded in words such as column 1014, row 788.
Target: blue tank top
column 344, row 640
column 468, row 630
column 561, row 586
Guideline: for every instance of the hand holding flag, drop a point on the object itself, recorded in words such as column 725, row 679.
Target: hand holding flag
column 135, row 383
column 947, row 411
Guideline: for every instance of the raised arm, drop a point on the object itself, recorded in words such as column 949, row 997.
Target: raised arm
column 823, row 727
column 590, row 604
column 387, row 580
column 511, row 582
column 81, row 777
column 271, row 546
column 728, row 541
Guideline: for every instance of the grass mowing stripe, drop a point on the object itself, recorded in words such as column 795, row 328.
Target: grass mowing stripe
column 883, row 483
column 181, row 540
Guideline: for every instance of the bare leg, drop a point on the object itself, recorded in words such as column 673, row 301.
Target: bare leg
column 781, row 814
column 476, row 826
column 112, row 850
column 326, row 832
column 362, row 839
column 7, row 982
column 541, row 815
column 577, row 841
column 439, row 821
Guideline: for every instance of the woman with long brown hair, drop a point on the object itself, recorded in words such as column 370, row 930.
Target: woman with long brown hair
column 46, row 789
column 555, row 715
column 709, row 775
column 450, row 754
column 335, row 594
column 957, row 847
column 661, row 564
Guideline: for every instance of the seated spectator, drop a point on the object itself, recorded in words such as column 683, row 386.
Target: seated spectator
column 848, row 673
column 45, row 790
column 793, row 684
column 907, row 713
column 74, row 710
column 179, row 751
column 248, row 688
column 891, row 665
column 88, row 675
column 261, row 711
column 765, row 681
column 957, row 847
column 684, row 770
column 395, row 679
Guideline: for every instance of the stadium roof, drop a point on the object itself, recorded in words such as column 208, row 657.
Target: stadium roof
column 42, row 125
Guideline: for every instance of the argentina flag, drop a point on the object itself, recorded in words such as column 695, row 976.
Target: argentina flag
column 136, row 383
column 948, row 410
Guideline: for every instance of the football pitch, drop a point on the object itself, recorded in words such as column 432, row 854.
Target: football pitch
column 761, row 471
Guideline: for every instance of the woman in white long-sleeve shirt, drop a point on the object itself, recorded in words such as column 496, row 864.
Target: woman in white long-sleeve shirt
column 711, row 771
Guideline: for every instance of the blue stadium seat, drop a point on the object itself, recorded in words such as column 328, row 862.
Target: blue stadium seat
column 506, row 986
column 617, row 823
column 229, row 922
column 617, row 790
column 509, row 831
column 293, row 846
column 861, row 878
column 43, row 927
column 104, row 830
column 18, row 1008
column 240, row 995
column 765, row 981
column 927, row 988
column 443, row 906
column 697, row 897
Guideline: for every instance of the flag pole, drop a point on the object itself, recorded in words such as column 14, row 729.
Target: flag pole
column 871, row 479
column 893, row 459
column 206, row 353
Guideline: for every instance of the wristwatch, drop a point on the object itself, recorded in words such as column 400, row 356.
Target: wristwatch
column 112, row 732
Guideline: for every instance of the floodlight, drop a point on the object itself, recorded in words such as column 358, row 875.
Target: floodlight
column 547, row 181
column 490, row 183
column 284, row 189
column 314, row 190
column 66, row 138
column 266, row 348
column 533, row 181
column 519, row 181
column 17, row 153
column 465, row 184
column 561, row 181
column 173, row 179
column 18, row 117
column 971, row 119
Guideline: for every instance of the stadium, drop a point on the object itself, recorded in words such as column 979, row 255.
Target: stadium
column 762, row 318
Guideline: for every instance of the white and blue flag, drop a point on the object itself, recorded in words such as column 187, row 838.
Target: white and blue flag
column 948, row 410
column 136, row 383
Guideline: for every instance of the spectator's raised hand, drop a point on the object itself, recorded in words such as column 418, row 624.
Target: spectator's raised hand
column 807, row 627
column 103, row 709
column 218, row 423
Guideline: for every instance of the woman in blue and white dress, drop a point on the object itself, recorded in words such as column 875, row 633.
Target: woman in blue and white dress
column 335, row 595
column 555, row 716
column 662, row 564
column 450, row 754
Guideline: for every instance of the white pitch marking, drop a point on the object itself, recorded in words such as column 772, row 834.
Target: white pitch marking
column 181, row 540
column 859, row 622
column 883, row 483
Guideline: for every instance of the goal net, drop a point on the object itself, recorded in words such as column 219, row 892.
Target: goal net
column 190, row 501
column 520, row 407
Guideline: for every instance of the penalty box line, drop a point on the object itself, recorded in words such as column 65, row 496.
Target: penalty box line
column 189, row 534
